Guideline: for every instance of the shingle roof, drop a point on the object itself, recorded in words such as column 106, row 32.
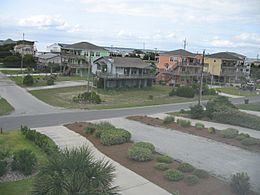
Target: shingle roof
column 179, row 52
column 127, row 62
column 48, row 55
column 227, row 55
column 84, row 45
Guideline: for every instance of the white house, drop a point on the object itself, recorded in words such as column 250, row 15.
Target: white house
column 47, row 58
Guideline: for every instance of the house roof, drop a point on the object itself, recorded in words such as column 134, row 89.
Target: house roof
column 126, row 62
column 22, row 46
column 179, row 52
column 227, row 55
column 48, row 55
column 85, row 46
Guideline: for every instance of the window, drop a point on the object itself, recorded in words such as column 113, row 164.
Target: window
column 91, row 53
column 171, row 59
column 97, row 54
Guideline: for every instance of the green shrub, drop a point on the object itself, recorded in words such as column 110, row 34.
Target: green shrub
column 50, row 81
column 199, row 125
column 28, row 80
column 164, row 159
column 242, row 136
column 185, row 167
column 172, row 92
column 191, row 180
column 184, row 91
column 150, row 97
column 196, row 111
column 102, row 126
column 173, row 175
column 168, row 119
column 235, row 117
column 250, row 141
column 140, row 154
column 184, row 123
column 24, row 161
column 90, row 129
column 240, row 183
column 211, row 130
column 218, row 104
column 200, row 173
column 3, row 167
column 87, row 97
column 4, row 152
column 229, row 133
column 114, row 136
column 162, row 166
column 145, row 145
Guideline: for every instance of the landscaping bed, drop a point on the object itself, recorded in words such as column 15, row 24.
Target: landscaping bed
column 119, row 153
column 5, row 107
column 203, row 132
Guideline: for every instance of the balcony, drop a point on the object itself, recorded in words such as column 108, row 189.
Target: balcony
column 118, row 76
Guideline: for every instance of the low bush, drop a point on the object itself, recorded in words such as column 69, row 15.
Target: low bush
column 3, row 167
column 235, row 117
column 211, row 130
column 150, row 97
column 39, row 139
column 114, row 136
column 184, row 123
column 90, row 129
column 242, row 136
column 162, row 166
column 229, row 133
column 168, row 119
column 140, row 154
column 250, row 141
column 50, row 81
column 164, row 159
column 199, row 125
column 102, row 126
column 24, row 161
column 200, row 173
column 145, row 145
column 184, row 91
column 185, row 167
column 28, row 80
column 4, row 152
column 87, row 97
column 240, row 183
column 173, row 175
column 196, row 111
column 191, row 180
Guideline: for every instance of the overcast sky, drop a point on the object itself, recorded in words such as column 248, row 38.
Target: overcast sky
column 219, row 25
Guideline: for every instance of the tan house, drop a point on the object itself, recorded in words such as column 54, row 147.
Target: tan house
column 24, row 49
column 225, row 66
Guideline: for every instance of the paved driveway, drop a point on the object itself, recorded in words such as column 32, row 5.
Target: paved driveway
column 220, row 159
column 21, row 100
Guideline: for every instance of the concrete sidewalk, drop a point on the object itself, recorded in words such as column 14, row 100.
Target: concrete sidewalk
column 219, row 126
column 61, row 84
column 217, row 158
column 129, row 182
column 251, row 112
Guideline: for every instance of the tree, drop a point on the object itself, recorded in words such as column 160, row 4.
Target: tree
column 12, row 61
column 29, row 61
column 73, row 172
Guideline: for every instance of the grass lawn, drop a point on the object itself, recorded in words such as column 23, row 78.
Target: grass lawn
column 11, row 71
column 14, row 140
column 41, row 81
column 5, row 107
column 236, row 91
column 116, row 98
column 250, row 106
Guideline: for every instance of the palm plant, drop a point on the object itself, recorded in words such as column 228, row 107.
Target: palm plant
column 73, row 172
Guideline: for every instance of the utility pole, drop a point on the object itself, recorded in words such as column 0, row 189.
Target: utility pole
column 89, row 65
column 201, row 77
column 184, row 44
column 22, row 56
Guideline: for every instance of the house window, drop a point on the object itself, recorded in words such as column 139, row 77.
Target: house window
column 171, row 59
column 91, row 53
column 97, row 54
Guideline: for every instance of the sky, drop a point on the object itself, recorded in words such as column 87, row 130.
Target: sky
column 219, row 25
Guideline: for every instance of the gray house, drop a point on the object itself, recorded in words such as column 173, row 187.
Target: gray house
column 114, row 72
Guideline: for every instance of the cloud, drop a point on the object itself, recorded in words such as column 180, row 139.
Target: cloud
column 217, row 42
column 46, row 22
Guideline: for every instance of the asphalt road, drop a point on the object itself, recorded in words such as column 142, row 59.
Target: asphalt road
column 57, row 118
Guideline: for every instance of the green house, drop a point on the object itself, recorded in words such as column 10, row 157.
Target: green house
column 77, row 57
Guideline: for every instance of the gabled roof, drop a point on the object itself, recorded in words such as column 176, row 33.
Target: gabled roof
column 227, row 55
column 125, row 62
column 84, row 46
column 179, row 52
